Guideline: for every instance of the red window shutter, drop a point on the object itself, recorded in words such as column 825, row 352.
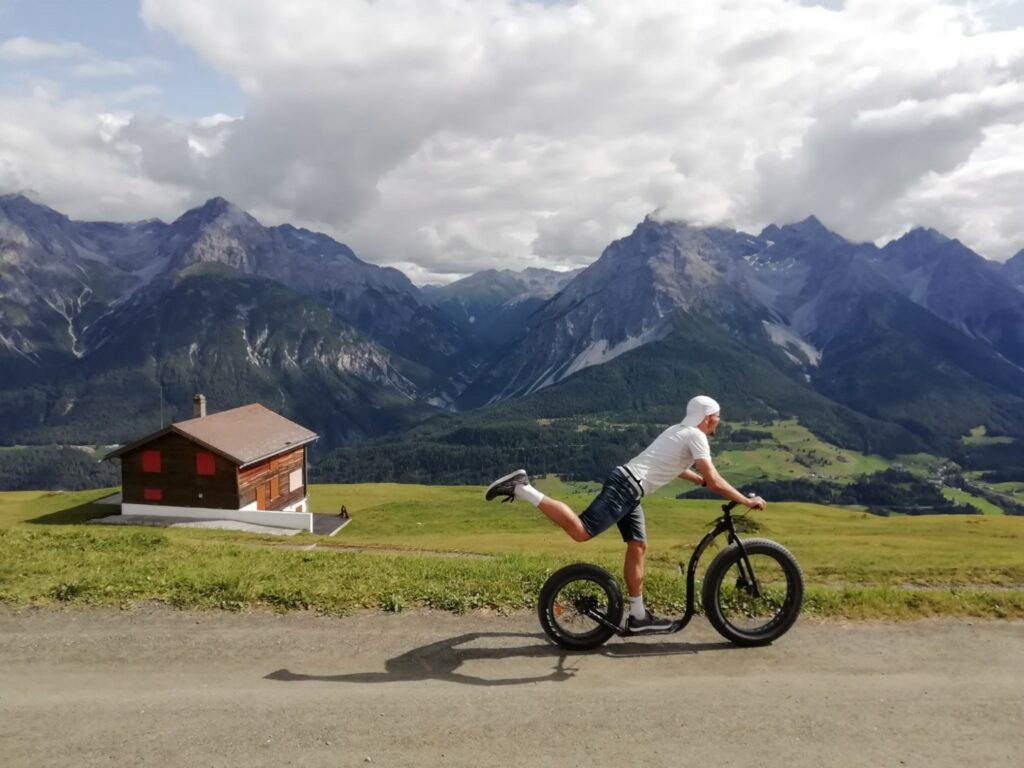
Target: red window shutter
column 151, row 461
column 205, row 464
column 152, row 494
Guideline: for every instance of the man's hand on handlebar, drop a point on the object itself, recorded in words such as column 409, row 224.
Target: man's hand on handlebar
column 755, row 502
column 750, row 500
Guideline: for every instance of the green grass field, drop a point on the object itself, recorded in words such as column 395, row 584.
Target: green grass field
column 979, row 436
column 443, row 547
column 795, row 452
column 963, row 497
column 1009, row 489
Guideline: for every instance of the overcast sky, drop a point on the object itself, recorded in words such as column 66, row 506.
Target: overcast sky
column 448, row 136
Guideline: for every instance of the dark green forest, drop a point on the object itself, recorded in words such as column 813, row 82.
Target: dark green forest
column 42, row 468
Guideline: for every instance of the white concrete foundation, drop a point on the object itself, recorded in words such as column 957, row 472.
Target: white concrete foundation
column 304, row 502
column 302, row 521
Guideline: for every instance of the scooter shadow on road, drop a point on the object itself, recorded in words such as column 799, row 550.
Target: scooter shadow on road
column 442, row 660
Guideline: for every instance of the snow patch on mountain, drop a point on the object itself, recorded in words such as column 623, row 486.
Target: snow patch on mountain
column 600, row 351
column 19, row 345
column 69, row 307
column 788, row 341
column 252, row 347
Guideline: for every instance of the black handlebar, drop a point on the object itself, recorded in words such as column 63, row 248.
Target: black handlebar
column 729, row 507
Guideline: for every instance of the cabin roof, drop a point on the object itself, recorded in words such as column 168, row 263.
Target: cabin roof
column 242, row 435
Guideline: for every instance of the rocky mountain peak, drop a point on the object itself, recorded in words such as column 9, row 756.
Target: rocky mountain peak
column 807, row 231
column 15, row 200
column 216, row 231
column 24, row 212
column 809, row 243
column 928, row 250
column 1013, row 269
column 1016, row 259
column 923, row 237
column 811, row 224
column 33, row 233
column 916, row 246
column 216, row 210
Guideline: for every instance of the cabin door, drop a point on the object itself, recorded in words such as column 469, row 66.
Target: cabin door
column 261, row 496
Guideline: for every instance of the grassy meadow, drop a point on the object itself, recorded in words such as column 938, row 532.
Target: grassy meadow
column 979, row 436
column 963, row 497
column 445, row 548
column 794, row 451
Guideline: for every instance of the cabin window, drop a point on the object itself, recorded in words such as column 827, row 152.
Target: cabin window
column 275, row 487
column 295, row 480
column 151, row 461
column 205, row 464
column 152, row 494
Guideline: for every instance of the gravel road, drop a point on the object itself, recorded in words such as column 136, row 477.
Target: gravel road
column 157, row 687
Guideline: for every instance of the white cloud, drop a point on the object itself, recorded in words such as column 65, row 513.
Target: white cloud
column 136, row 92
column 97, row 66
column 82, row 61
column 30, row 49
column 463, row 134
column 66, row 153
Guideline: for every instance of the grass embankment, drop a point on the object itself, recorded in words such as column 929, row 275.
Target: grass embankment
column 856, row 565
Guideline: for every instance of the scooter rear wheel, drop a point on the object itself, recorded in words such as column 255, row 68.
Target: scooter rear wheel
column 566, row 599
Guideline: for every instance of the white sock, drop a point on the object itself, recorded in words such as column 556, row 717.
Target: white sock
column 636, row 607
column 530, row 494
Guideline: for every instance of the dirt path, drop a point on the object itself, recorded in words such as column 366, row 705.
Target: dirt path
column 155, row 687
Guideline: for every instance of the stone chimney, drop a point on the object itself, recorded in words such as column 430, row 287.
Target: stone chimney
column 199, row 407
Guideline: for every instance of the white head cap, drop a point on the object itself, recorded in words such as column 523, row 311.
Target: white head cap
column 698, row 409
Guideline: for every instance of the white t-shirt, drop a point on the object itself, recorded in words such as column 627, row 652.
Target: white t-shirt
column 672, row 451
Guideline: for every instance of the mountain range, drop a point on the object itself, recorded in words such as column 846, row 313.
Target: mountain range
column 107, row 329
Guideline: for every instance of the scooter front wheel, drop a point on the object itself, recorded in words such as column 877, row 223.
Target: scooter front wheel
column 579, row 607
column 754, row 600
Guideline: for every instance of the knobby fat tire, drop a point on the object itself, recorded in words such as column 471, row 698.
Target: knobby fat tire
column 723, row 561
column 546, row 605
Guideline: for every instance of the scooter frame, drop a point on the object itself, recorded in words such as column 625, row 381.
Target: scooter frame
column 724, row 524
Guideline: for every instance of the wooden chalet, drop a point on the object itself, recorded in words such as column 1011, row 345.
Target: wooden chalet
column 248, row 461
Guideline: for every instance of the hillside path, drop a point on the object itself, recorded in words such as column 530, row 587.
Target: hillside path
column 158, row 687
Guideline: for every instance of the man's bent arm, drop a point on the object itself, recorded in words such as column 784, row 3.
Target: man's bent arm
column 719, row 485
column 693, row 477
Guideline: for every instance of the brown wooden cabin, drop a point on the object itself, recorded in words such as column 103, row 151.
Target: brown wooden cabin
column 248, row 457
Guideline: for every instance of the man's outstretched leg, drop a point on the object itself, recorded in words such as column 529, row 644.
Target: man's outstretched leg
column 517, row 486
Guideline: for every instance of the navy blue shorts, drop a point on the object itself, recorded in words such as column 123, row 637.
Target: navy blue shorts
column 618, row 502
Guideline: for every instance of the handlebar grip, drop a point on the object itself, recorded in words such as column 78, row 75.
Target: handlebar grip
column 729, row 507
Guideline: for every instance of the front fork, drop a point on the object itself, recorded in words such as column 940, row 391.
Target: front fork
column 747, row 575
column 724, row 524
